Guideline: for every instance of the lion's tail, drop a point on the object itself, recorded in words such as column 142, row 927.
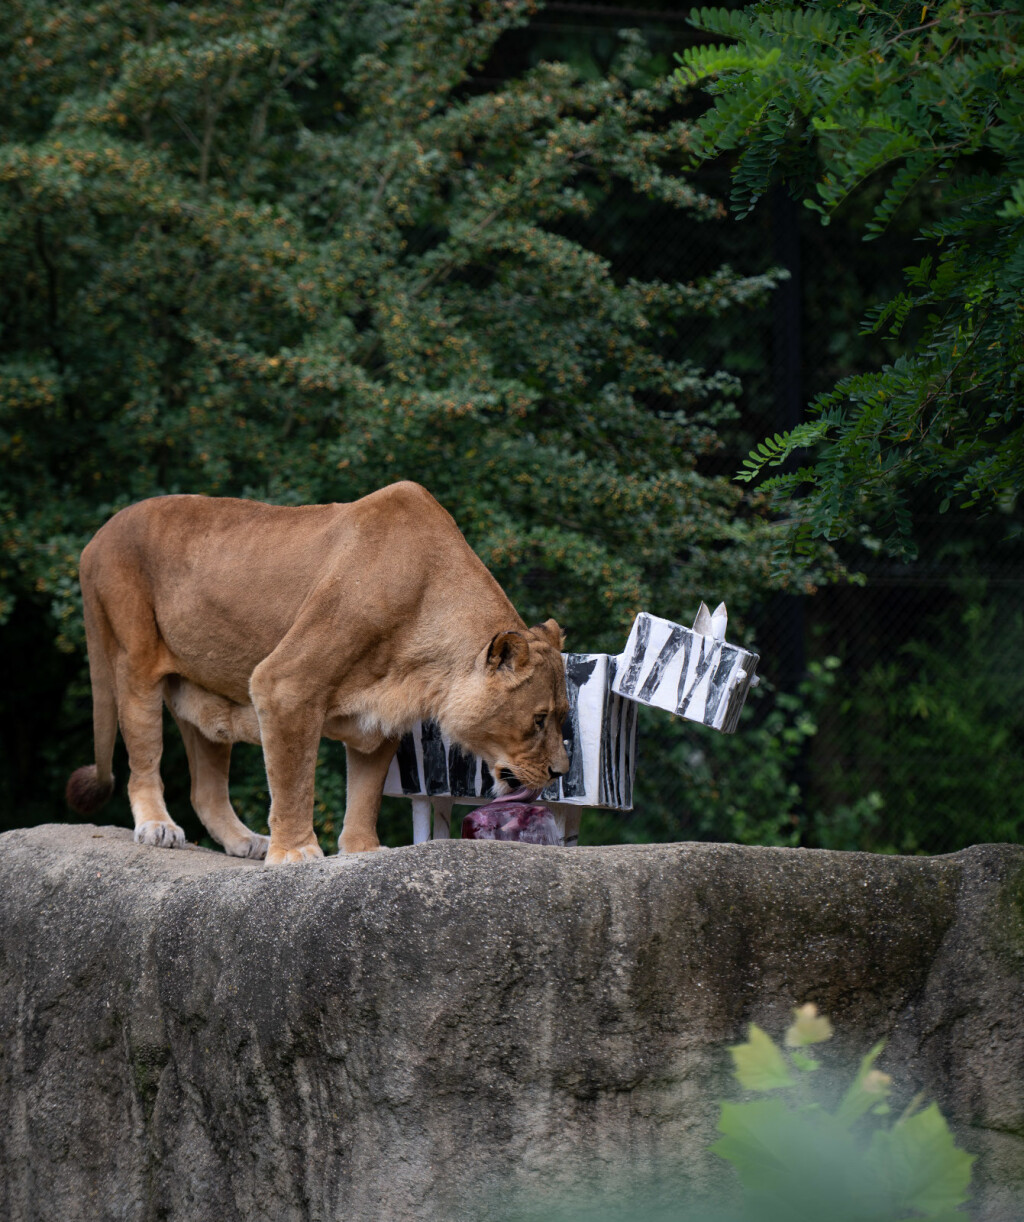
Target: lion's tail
column 89, row 787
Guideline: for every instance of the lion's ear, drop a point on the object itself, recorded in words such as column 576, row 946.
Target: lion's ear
column 508, row 651
column 553, row 633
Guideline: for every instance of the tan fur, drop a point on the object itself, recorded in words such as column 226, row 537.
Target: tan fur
column 260, row 623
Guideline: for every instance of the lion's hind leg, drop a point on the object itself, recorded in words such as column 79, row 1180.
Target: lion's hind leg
column 140, row 708
column 209, row 764
column 364, row 788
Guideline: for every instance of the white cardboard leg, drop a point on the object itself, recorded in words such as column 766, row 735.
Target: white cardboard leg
column 442, row 818
column 567, row 821
column 420, row 820
column 571, row 835
column 558, row 814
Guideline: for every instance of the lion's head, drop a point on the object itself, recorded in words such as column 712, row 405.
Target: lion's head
column 510, row 711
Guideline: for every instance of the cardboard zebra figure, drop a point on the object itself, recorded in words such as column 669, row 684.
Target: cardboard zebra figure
column 691, row 672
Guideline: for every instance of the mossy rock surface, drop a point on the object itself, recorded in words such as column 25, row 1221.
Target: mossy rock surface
column 405, row 1035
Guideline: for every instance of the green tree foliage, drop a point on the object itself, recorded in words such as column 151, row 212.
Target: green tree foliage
column 296, row 252
column 276, row 252
column 885, row 101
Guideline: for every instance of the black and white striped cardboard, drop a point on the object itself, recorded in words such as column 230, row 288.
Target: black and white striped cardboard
column 600, row 737
column 691, row 672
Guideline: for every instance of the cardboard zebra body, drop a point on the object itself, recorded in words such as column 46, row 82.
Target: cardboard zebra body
column 691, row 672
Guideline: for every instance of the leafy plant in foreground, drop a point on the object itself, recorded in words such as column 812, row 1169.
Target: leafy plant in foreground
column 798, row 1159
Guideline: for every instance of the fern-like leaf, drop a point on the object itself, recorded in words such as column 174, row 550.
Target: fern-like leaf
column 773, row 451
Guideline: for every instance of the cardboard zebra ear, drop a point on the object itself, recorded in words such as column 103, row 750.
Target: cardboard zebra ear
column 552, row 632
column 508, row 651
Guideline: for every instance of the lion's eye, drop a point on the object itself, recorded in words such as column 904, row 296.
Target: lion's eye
column 540, row 721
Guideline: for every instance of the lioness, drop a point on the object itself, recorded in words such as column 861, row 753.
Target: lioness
column 265, row 624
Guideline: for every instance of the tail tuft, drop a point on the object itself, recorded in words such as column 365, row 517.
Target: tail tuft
column 86, row 793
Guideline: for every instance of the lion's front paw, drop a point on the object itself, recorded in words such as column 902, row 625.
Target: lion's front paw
column 358, row 842
column 160, row 832
column 255, row 846
column 306, row 852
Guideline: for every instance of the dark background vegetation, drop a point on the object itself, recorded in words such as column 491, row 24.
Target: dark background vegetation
column 297, row 253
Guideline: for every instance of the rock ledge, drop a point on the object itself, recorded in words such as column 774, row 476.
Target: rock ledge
column 188, row 1036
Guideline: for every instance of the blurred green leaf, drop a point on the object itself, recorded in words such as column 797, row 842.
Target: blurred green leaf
column 920, row 1164
column 759, row 1065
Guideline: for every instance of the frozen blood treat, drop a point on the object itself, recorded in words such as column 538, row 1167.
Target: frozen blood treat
column 513, row 817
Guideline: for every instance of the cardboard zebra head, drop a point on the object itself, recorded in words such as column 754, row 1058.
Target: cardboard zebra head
column 691, row 672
